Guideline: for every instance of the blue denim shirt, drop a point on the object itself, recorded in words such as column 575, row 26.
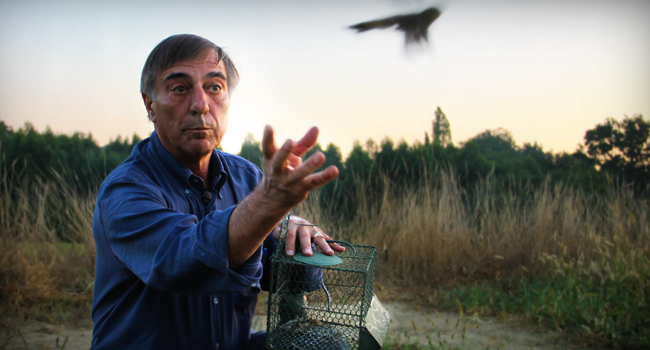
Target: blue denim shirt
column 162, row 279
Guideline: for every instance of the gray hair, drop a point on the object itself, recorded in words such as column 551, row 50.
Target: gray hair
column 179, row 48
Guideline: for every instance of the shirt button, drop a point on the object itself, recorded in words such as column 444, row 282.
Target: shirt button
column 215, row 301
column 187, row 191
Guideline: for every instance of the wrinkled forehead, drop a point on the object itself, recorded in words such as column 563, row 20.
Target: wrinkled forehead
column 209, row 63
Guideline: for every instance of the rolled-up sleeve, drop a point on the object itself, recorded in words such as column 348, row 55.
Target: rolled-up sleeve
column 170, row 250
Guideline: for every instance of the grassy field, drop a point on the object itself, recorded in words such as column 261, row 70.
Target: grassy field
column 574, row 263
column 562, row 260
column 47, row 252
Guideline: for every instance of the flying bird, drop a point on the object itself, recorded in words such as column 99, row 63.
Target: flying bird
column 415, row 26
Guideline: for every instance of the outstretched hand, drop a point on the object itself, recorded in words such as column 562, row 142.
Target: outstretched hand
column 287, row 179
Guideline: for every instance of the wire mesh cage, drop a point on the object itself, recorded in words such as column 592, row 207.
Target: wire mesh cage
column 324, row 302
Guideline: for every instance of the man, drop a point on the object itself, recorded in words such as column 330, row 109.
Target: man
column 182, row 230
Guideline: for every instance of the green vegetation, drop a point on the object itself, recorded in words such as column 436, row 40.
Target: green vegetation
column 404, row 342
column 560, row 240
column 33, row 156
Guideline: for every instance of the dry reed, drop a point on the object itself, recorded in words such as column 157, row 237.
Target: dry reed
column 46, row 250
column 434, row 235
column 438, row 233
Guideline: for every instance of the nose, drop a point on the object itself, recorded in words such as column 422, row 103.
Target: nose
column 199, row 102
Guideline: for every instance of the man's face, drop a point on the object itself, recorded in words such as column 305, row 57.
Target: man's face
column 190, row 110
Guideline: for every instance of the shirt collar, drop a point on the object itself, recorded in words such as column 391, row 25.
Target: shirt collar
column 216, row 170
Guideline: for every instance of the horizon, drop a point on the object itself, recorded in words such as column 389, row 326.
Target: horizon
column 323, row 146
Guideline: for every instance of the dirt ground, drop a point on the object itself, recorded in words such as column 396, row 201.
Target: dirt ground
column 467, row 332
column 408, row 322
column 39, row 335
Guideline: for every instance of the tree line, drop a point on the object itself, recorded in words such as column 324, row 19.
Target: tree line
column 27, row 155
column 613, row 153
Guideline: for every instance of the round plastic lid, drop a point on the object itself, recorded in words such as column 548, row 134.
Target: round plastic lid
column 318, row 259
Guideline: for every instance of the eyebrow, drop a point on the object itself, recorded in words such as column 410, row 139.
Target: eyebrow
column 176, row 75
column 181, row 75
column 216, row 75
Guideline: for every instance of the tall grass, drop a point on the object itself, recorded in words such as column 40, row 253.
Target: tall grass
column 46, row 249
column 574, row 262
column 563, row 259
column 439, row 233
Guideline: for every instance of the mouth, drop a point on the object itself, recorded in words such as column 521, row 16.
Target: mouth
column 197, row 129
column 199, row 133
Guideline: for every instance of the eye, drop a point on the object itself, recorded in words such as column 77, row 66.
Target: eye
column 215, row 88
column 179, row 88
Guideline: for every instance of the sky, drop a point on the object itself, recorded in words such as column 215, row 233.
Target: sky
column 546, row 70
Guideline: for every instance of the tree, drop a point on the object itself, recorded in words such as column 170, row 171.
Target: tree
column 471, row 164
column 315, row 148
column 578, row 170
column 329, row 192
column 385, row 157
column 5, row 135
column 499, row 148
column 543, row 159
column 441, row 128
column 252, row 150
column 333, row 156
column 621, row 148
column 359, row 161
column 4, row 129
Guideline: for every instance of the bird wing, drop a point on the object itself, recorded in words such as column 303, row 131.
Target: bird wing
column 414, row 26
column 378, row 23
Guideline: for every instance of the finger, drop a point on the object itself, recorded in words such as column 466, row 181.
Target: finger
column 278, row 161
column 268, row 143
column 337, row 247
column 290, row 241
column 305, row 242
column 294, row 160
column 306, row 142
column 320, row 241
column 306, row 168
column 327, row 247
column 320, row 178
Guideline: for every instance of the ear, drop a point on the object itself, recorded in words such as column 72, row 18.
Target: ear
column 148, row 102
